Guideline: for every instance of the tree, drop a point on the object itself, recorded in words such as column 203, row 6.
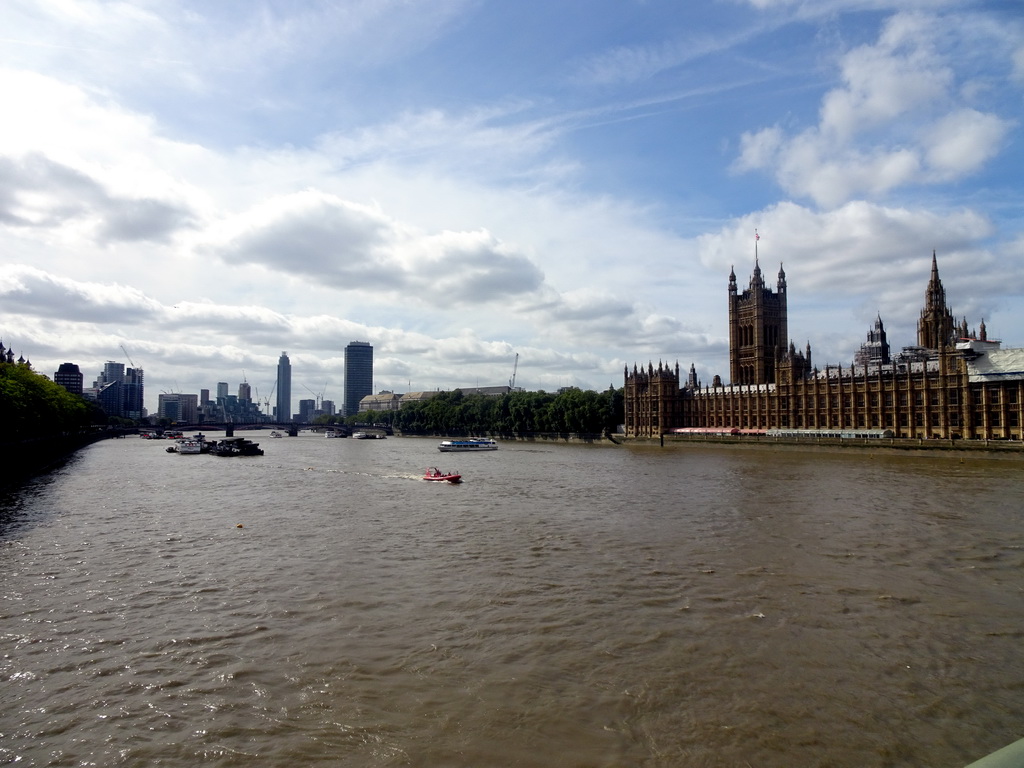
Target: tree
column 33, row 406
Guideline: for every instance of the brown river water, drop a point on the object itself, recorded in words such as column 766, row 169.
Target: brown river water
column 567, row 605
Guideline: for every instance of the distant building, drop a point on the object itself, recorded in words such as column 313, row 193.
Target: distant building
column 383, row 401
column 178, row 407
column 327, row 407
column 168, row 406
column 875, row 351
column 134, row 394
column 418, row 397
column 358, row 374
column 380, row 401
column 283, row 411
column 951, row 384
column 502, row 389
column 70, row 377
column 307, row 411
column 7, row 356
column 119, row 392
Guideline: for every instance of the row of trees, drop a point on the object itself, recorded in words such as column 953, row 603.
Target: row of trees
column 32, row 406
column 453, row 413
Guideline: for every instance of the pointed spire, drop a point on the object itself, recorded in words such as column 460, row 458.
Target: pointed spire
column 757, row 281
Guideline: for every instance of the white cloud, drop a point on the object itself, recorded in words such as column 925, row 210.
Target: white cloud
column 322, row 238
column 33, row 291
column 963, row 141
column 894, row 122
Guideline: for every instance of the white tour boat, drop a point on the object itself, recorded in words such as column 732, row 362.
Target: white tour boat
column 469, row 445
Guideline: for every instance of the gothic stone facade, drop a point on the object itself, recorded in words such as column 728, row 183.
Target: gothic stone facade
column 953, row 384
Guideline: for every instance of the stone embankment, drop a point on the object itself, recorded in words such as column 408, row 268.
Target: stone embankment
column 1009, row 449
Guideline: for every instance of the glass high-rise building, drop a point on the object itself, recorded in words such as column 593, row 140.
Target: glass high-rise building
column 134, row 393
column 358, row 374
column 121, row 392
column 283, row 412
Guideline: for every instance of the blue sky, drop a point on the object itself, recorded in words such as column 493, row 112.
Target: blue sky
column 461, row 181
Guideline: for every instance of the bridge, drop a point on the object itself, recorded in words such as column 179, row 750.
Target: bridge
column 290, row 428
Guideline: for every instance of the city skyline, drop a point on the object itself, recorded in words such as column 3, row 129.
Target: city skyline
column 202, row 186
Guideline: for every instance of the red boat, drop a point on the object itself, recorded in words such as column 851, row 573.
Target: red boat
column 437, row 476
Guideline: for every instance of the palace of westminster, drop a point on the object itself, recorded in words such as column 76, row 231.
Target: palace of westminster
column 953, row 384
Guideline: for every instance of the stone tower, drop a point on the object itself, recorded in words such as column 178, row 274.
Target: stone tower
column 757, row 329
column 935, row 328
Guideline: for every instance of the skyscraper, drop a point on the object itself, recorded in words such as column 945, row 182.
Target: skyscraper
column 283, row 411
column 70, row 377
column 358, row 374
column 120, row 392
column 134, row 393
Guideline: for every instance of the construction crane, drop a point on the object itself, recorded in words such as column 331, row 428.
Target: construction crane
column 127, row 355
column 515, row 367
column 319, row 397
column 267, row 403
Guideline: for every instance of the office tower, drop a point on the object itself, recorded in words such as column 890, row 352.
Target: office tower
column 111, row 372
column 70, row 377
column 120, row 392
column 358, row 374
column 169, row 406
column 222, row 392
column 178, row 408
column 204, row 397
column 244, row 392
column 283, row 411
column 134, row 394
column 189, row 408
column 307, row 410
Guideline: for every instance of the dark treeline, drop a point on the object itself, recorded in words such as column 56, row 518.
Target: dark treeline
column 41, row 423
column 455, row 413
column 32, row 406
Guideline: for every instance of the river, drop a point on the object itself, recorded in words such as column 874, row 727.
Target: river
column 566, row 605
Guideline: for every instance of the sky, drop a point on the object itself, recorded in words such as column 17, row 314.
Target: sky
column 193, row 187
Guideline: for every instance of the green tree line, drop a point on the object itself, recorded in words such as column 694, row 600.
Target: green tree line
column 32, row 406
column 456, row 413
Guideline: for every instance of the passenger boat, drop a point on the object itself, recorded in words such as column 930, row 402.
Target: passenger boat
column 191, row 445
column 369, row 436
column 437, row 476
column 236, row 446
column 469, row 445
column 334, row 433
column 275, row 433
